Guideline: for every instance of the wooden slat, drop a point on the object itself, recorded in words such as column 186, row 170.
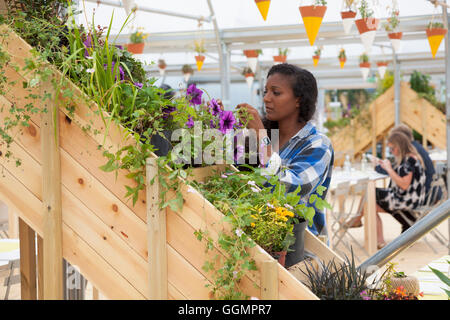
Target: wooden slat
column 27, row 262
column 269, row 280
column 40, row 267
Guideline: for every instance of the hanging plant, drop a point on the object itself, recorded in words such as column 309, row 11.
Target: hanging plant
column 312, row 17
column 316, row 56
column 382, row 67
column 348, row 15
column 342, row 58
column 364, row 65
column 281, row 57
column 435, row 33
column 263, row 6
column 137, row 43
column 252, row 58
column 199, row 49
column 249, row 76
column 187, row 72
column 391, row 27
column 162, row 66
column 367, row 25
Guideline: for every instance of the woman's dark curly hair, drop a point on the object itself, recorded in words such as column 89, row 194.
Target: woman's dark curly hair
column 303, row 85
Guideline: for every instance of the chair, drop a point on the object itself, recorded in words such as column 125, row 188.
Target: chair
column 432, row 200
column 351, row 200
column 10, row 279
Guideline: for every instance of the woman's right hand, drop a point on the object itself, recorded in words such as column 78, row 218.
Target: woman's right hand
column 254, row 121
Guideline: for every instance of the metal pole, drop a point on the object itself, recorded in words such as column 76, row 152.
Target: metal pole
column 116, row 3
column 320, row 109
column 397, row 89
column 408, row 238
column 447, row 101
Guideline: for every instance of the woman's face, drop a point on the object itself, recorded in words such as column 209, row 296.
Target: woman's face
column 394, row 149
column 279, row 98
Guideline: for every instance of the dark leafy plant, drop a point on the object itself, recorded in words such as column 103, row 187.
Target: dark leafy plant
column 420, row 83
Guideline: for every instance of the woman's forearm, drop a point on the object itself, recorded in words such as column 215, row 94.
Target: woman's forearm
column 401, row 182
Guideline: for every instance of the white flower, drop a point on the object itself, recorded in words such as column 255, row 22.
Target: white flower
column 255, row 189
column 224, row 176
column 239, row 232
column 252, row 183
column 270, row 205
column 235, row 274
column 90, row 70
column 289, row 206
column 89, row 58
column 190, row 190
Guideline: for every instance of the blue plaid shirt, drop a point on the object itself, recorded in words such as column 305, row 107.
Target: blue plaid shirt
column 308, row 160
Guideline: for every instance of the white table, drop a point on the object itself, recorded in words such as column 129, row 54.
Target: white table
column 370, row 207
column 438, row 156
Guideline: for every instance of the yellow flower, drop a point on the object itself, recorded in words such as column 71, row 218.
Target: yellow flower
column 138, row 34
column 289, row 214
column 252, row 224
column 253, row 216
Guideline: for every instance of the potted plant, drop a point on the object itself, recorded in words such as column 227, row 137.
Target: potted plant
column 162, row 66
column 367, row 25
column 342, row 58
column 137, row 43
column 312, row 17
column 382, row 67
column 249, row 76
column 252, row 58
column 187, row 72
column 435, row 33
column 348, row 15
column 364, row 64
column 199, row 49
column 316, row 56
column 263, row 6
column 391, row 27
column 281, row 57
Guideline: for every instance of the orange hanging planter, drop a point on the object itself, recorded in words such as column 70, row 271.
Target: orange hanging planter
column 396, row 38
column 367, row 28
column 382, row 67
column 348, row 17
column 435, row 36
column 342, row 62
column 316, row 60
column 365, row 69
column 136, row 48
column 279, row 59
column 312, row 19
column 263, row 6
column 199, row 60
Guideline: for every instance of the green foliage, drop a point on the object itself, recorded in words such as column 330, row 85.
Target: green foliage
column 363, row 58
column 365, row 10
column 435, row 25
column 187, row 69
column 283, row 52
column 420, row 83
column 392, row 23
column 138, row 37
column 318, row 51
column 342, row 54
column 443, row 277
column 246, row 70
column 385, row 83
column 320, row 2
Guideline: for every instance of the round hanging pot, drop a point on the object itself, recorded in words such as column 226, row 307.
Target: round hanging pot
column 263, row 6
column 279, row 59
column 249, row 77
column 409, row 283
column 136, row 48
column 365, row 68
column 342, row 62
column 348, row 17
column 312, row 17
column 367, row 29
column 435, row 36
column 382, row 67
column 316, row 60
column 199, row 60
column 396, row 38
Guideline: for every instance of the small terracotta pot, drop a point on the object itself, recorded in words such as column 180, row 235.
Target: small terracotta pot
column 313, row 11
column 348, row 14
column 280, row 256
column 364, row 65
column 395, row 35
column 249, row 75
column 382, row 64
column 436, row 32
column 280, row 59
column 251, row 53
column 200, row 58
column 367, row 24
column 136, row 48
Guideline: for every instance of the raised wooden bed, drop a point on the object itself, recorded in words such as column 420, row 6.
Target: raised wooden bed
column 104, row 234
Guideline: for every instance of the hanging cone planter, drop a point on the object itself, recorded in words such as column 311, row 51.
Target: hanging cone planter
column 252, row 59
column 263, row 6
column 162, row 67
column 342, row 62
column 435, row 36
column 312, row 19
column 128, row 5
column 365, row 68
column 348, row 17
column 279, row 59
column 199, row 60
column 367, row 28
column 249, row 77
column 136, row 48
column 396, row 38
column 316, row 60
column 382, row 67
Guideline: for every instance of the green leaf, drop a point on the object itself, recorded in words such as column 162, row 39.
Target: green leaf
column 444, row 278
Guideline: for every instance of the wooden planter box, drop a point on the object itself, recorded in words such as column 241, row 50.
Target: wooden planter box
column 103, row 233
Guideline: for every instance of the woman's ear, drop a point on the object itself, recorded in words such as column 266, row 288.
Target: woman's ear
column 298, row 102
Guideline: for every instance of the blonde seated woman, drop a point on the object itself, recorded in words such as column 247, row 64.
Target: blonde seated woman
column 407, row 188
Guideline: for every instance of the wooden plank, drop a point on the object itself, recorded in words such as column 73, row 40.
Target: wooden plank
column 40, row 267
column 156, row 236
column 13, row 224
column 51, row 199
column 269, row 280
column 370, row 221
column 320, row 249
column 27, row 262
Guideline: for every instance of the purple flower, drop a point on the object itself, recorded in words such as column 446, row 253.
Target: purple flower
column 139, row 85
column 121, row 72
column 227, row 121
column 212, row 125
column 214, row 107
column 167, row 110
column 118, row 46
column 88, row 44
column 190, row 122
column 194, row 94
